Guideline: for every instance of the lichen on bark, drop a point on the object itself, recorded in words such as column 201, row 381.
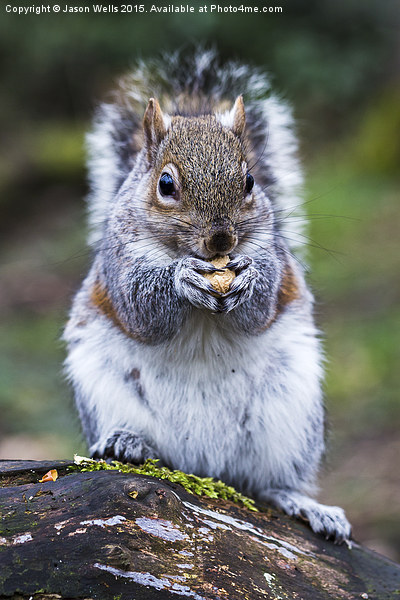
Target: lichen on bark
column 201, row 486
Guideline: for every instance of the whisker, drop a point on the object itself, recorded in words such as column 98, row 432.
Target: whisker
column 286, row 251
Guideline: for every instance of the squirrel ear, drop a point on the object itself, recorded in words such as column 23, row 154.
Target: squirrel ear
column 154, row 127
column 238, row 116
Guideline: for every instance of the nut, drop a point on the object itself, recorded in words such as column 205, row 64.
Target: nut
column 221, row 280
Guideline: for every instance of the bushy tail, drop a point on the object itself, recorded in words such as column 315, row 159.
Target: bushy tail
column 112, row 146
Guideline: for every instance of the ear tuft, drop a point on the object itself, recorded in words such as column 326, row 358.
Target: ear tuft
column 238, row 116
column 154, row 127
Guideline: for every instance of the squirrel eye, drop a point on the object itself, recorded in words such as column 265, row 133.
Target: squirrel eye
column 249, row 183
column 166, row 185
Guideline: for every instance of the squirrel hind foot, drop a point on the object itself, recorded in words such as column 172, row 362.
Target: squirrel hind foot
column 123, row 446
column 329, row 521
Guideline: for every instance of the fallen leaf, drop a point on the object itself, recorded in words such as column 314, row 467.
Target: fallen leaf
column 50, row 476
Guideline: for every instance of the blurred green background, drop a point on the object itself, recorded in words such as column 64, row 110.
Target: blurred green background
column 337, row 62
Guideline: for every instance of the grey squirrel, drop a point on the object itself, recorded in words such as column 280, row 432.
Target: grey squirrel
column 196, row 159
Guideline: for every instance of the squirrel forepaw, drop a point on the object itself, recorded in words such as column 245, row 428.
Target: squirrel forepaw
column 190, row 283
column 239, row 263
column 242, row 286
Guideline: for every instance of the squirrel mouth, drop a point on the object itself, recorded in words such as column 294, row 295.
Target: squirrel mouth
column 206, row 256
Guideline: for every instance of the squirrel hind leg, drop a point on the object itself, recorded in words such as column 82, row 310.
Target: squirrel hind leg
column 330, row 521
column 124, row 446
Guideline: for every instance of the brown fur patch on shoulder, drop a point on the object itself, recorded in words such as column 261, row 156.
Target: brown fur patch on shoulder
column 101, row 300
column 289, row 289
column 288, row 292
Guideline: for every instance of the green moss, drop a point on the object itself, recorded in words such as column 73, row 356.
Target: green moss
column 202, row 486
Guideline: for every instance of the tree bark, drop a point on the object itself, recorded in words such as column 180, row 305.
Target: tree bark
column 108, row 535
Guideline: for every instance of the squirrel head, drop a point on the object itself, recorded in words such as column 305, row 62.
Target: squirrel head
column 199, row 179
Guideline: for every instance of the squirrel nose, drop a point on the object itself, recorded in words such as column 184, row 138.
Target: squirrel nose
column 221, row 242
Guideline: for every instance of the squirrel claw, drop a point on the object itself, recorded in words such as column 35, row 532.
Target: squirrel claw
column 200, row 265
column 240, row 291
column 239, row 263
column 192, row 286
column 124, row 446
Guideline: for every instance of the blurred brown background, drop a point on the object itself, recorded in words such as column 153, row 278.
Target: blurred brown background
column 337, row 61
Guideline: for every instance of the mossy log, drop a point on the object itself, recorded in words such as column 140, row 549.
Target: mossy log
column 108, row 535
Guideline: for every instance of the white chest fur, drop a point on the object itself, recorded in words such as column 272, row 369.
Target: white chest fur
column 238, row 408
